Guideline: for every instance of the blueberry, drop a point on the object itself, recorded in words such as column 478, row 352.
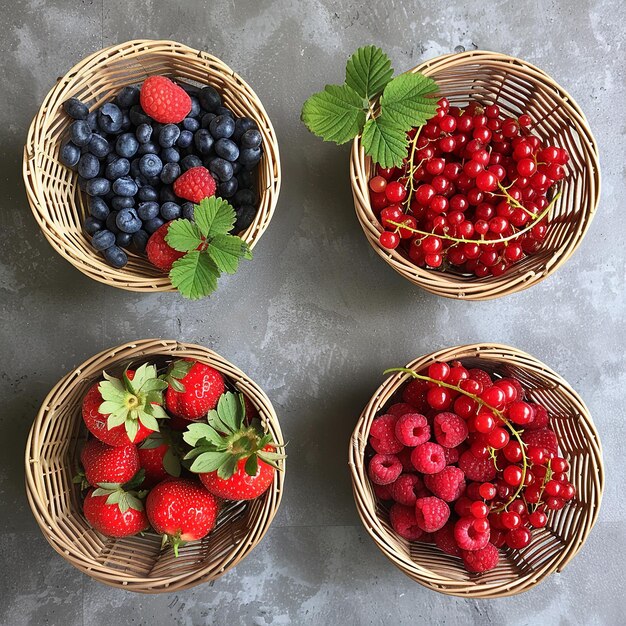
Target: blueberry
column 166, row 194
column 251, row 139
column 210, row 99
column 154, row 181
column 116, row 169
column 170, row 155
column 203, row 141
column 227, row 149
column 170, row 211
column 207, row 119
column 69, row 154
column 148, row 210
column 99, row 146
column 192, row 90
column 123, row 240
column 82, row 183
column 225, row 111
column 187, row 210
column 98, row 187
column 244, row 196
column 80, row 133
column 185, row 139
column 110, row 222
column 140, row 239
column 102, row 240
column 242, row 124
column 134, row 168
column 195, row 107
column 152, row 225
column 189, row 123
column 92, row 225
column 148, row 148
column 127, row 97
column 245, row 217
column 138, row 117
column 107, row 197
column 128, row 221
column 190, row 161
column 92, row 120
column 143, row 133
column 125, row 186
column 147, row 194
column 245, row 179
column 116, row 256
column 171, row 171
column 168, row 135
column 98, row 208
column 237, row 167
column 126, row 145
column 110, row 158
column 221, row 168
column 110, row 118
column 249, row 157
column 76, row 109
column 126, row 123
column 150, row 165
column 227, row 189
column 222, row 126
column 122, row 202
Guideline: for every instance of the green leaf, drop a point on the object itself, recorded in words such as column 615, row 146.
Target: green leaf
column 183, row 235
column 132, row 427
column 229, row 411
column 176, row 385
column 385, row 142
column 406, row 102
column 227, row 469
column 107, row 487
column 194, row 275
column 226, row 250
column 171, row 463
column 114, row 497
column 153, row 384
column 214, row 216
column 210, row 461
column 368, row 71
column 335, row 114
column 133, row 502
column 252, row 465
column 112, row 391
column 116, row 419
column 195, row 432
column 153, row 441
column 156, row 411
column 148, row 421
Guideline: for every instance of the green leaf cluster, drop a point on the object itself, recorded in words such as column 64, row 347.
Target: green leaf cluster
column 340, row 112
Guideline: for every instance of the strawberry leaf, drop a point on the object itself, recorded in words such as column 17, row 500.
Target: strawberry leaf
column 368, row 71
column 406, row 102
column 385, row 141
column 153, row 441
column 252, row 465
column 156, row 410
column 196, row 432
column 148, row 421
column 133, row 502
column 226, row 250
column 214, row 216
column 194, row 275
column 229, row 411
column 132, row 427
column 210, row 461
column 171, row 463
column 183, row 235
column 228, row 467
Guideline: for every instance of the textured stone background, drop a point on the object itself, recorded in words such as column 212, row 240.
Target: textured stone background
column 317, row 316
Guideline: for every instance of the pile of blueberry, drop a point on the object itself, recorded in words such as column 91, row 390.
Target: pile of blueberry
column 127, row 163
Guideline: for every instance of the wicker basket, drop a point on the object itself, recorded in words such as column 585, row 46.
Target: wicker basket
column 57, row 203
column 552, row 547
column 135, row 563
column 516, row 86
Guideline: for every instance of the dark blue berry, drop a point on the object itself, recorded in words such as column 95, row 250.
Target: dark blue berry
column 76, row 109
column 191, row 160
column 69, row 154
column 109, row 158
column 237, row 167
column 80, row 133
column 189, row 123
column 171, row 171
column 150, row 165
column 166, row 194
column 122, row 202
column 102, row 240
column 140, row 239
column 116, row 256
column 128, row 96
column 221, row 168
column 203, row 141
column 195, row 107
column 245, row 217
column 170, row 155
column 126, row 123
column 222, row 127
column 249, row 157
column 170, row 211
column 123, row 240
column 134, row 168
column 188, row 210
column 227, row 189
column 116, row 169
column 242, row 124
column 185, row 139
column 138, row 117
column 192, row 90
column 99, row 146
column 110, row 118
column 148, row 148
column 143, row 133
column 168, row 135
column 209, row 98
column 128, row 221
column 92, row 120
column 227, row 149
column 153, row 225
column 251, row 139
column 126, row 145
column 244, row 196
column 245, row 179
column 225, row 111
column 207, row 118
column 92, row 225
column 110, row 222
column 98, row 186
column 82, row 183
column 147, row 193
column 125, row 186
column 98, row 208
column 148, row 210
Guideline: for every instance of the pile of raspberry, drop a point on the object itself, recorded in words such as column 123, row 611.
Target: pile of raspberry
column 471, row 175
column 448, row 461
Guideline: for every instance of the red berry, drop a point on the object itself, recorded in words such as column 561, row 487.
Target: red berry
column 402, row 520
column 389, row 240
column 518, row 538
column 431, row 513
column 448, row 484
column 428, row 458
column 164, row 100
column 538, row 519
column 384, row 469
column 383, row 435
column 406, row 489
column 195, row 184
column 439, row 398
column 487, row 491
column 377, row 184
column 412, row 429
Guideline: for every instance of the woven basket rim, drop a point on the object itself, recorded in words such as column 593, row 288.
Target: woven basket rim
column 143, row 349
column 450, row 285
column 365, row 500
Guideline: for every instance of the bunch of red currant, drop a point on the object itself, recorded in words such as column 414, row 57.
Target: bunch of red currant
column 473, row 194
column 468, row 462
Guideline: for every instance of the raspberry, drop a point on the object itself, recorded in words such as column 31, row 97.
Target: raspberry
column 195, row 184
column 406, row 488
column 402, row 519
column 467, row 537
column 427, row 538
column 163, row 100
column 445, row 541
column 544, row 438
column 405, row 458
column 480, row 470
column 481, row 376
column 431, row 513
column 415, row 394
column 383, row 436
column 540, row 420
column 481, row 560
column 159, row 253
column 412, row 429
column 428, row 458
column 382, row 492
column 462, row 506
column 384, row 469
column 451, row 455
column 450, row 429
column 400, row 408
column 448, row 484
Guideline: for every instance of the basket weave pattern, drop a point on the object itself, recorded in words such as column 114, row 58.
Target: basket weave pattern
column 55, row 199
column 552, row 547
column 516, row 87
column 135, row 563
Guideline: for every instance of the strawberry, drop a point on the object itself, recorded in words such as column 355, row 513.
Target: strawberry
column 235, row 461
column 181, row 510
column 115, row 512
column 195, row 184
column 194, row 389
column 120, row 412
column 159, row 252
column 158, row 457
column 108, row 464
column 163, row 100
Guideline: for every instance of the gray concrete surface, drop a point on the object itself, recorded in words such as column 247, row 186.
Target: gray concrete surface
column 317, row 317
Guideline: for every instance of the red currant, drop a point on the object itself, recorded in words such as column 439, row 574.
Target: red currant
column 389, row 240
